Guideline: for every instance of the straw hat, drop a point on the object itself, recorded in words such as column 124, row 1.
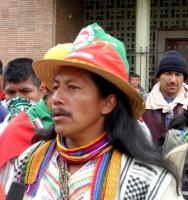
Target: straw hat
column 95, row 51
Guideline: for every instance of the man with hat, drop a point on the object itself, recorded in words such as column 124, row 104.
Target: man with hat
column 97, row 148
column 169, row 97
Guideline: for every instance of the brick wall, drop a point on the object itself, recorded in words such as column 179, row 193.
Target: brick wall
column 26, row 28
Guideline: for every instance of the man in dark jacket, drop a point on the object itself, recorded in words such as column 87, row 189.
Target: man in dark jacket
column 169, row 97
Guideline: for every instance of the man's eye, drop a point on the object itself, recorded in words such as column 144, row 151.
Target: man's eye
column 26, row 91
column 54, row 87
column 10, row 92
column 73, row 87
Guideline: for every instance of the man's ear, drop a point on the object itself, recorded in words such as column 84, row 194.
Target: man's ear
column 109, row 104
column 43, row 89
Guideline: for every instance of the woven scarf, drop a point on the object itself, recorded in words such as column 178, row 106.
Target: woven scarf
column 106, row 174
column 85, row 153
column 98, row 149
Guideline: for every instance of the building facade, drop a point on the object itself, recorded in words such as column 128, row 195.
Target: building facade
column 28, row 28
column 147, row 27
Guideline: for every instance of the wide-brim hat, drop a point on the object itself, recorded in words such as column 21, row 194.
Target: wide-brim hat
column 100, row 56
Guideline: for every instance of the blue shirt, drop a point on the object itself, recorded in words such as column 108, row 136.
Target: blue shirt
column 3, row 113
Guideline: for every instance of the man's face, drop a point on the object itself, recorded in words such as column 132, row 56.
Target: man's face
column 170, row 83
column 78, row 110
column 26, row 89
column 135, row 82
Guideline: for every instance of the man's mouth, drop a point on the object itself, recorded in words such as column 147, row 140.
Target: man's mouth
column 59, row 112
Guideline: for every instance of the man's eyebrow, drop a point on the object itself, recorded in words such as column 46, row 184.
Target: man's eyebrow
column 8, row 89
column 26, row 88
column 55, row 80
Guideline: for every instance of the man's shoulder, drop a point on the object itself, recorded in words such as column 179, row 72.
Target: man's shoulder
column 135, row 164
column 150, row 113
column 143, row 178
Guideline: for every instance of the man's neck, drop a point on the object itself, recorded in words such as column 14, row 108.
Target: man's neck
column 169, row 99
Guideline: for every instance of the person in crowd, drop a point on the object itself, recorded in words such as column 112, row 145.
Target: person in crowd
column 21, row 130
column 135, row 82
column 20, row 82
column 2, row 92
column 175, row 148
column 19, row 79
column 169, row 97
column 23, row 127
column 96, row 149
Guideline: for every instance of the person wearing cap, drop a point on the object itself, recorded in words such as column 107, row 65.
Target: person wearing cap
column 169, row 97
column 97, row 149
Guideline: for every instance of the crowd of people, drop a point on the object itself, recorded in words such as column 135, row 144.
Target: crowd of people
column 74, row 125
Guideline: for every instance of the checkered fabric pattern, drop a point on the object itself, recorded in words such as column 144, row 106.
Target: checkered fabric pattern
column 140, row 181
column 20, row 163
column 136, row 189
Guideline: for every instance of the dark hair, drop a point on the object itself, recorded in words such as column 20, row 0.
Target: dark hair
column 124, row 132
column 1, row 68
column 20, row 69
column 179, row 121
column 134, row 76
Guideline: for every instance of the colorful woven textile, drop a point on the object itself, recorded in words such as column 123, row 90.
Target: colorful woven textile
column 80, row 181
column 85, row 153
column 96, row 182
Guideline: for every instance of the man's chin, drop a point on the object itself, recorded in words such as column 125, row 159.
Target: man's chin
column 58, row 130
column 172, row 92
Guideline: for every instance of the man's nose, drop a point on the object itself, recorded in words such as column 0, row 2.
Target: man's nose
column 173, row 77
column 58, row 97
column 19, row 94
